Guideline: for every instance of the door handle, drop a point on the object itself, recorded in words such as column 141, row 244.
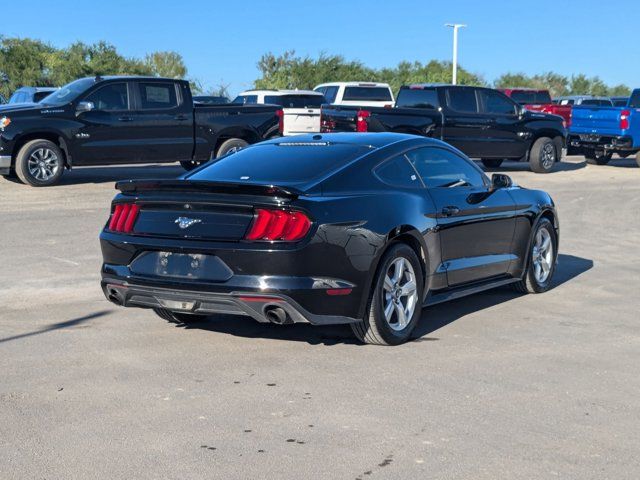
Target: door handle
column 125, row 119
column 450, row 210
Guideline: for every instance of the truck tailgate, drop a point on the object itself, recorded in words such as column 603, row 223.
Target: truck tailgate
column 601, row 120
column 338, row 119
column 298, row 121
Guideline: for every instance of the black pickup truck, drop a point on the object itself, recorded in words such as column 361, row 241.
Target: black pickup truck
column 483, row 123
column 119, row 120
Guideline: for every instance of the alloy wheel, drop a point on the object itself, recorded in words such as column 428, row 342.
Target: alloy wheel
column 43, row 164
column 548, row 155
column 400, row 294
column 542, row 255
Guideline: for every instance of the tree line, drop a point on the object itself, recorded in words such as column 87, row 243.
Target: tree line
column 25, row 61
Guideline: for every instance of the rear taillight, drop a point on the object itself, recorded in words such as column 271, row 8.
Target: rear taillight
column 361, row 121
column 624, row 119
column 278, row 225
column 123, row 218
column 280, row 114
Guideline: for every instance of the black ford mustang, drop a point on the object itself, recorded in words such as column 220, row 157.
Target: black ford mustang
column 338, row 228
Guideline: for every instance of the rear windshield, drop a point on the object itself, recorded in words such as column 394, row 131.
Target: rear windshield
column 620, row 102
column 371, row 94
column 596, row 102
column 295, row 101
column 418, row 98
column 279, row 164
column 529, row 98
column 634, row 101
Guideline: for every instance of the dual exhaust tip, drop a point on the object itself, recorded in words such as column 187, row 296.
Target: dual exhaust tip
column 277, row 315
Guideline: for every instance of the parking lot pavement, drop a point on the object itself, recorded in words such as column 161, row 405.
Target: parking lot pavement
column 495, row 386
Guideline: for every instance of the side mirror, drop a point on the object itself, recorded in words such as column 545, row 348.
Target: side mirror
column 500, row 180
column 84, row 107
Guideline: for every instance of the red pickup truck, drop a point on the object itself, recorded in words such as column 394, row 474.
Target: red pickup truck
column 538, row 101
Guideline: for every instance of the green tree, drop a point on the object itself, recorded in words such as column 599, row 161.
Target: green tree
column 166, row 64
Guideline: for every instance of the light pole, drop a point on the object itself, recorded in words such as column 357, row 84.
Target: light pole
column 456, row 27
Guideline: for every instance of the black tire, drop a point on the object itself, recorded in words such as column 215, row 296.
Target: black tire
column 42, row 157
column 178, row 317
column 375, row 329
column 491, row 162
column 530, row 283
column 543, row 155
column 228, row 146
column 638, row 158
column 597, row 158
column 189, row 165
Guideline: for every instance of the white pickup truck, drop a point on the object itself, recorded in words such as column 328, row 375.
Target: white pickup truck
column 357, row 94
column 301, row 108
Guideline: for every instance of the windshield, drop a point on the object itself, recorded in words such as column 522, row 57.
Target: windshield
column 69, row 92
column 531, row 98
column 296, row 101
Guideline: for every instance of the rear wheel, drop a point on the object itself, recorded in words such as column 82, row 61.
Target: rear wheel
column 541, row 263
column 597, row 158
column 543, row 155
column 39, row 163
column 491, row 162
column 395, row 302
column 231, row 146
column 178, row 317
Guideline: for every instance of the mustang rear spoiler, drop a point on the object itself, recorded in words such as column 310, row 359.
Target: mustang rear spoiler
column 200, row 186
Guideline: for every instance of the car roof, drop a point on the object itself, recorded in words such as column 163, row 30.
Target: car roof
column 280, row 92
column 522, row 89
column 37, row 89
column 100, row 78
column 353, row 84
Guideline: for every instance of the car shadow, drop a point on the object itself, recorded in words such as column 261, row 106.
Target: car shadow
column 619, row 162
column 432, row 319
column 110, row 174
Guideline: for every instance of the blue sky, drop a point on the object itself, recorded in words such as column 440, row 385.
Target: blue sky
column 221, row 41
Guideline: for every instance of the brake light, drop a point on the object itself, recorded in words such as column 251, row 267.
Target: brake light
column 280, row 114
column 624, row 119
column 123, row 218
column 274, row 225
column 361, row 121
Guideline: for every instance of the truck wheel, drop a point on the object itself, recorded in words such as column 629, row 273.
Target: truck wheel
column 231, row 146
column 396, row 299
column 39, row 163
column 491, row 162
column 190, row 164
column 597, row 158
column 543, row 155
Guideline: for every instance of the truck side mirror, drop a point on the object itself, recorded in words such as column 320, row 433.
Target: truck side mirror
column 500, row 180
column 84, row 107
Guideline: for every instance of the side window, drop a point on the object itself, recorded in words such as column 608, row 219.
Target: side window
column 441, row 168
column 157, row 96
column 496, row 103
column 330, row 94
column 397, row 172
column 111, row 97
column 250, row 99
column 462, row 100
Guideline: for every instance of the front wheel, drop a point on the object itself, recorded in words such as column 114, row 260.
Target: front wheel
column 541, row 263
column 39, row 163
column 543, row 155
column 395, row 302
column 491, row 162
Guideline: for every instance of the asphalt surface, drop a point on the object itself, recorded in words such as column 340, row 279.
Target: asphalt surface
column 496, row 386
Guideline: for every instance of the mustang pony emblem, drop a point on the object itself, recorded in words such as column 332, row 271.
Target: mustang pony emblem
column 185, row 222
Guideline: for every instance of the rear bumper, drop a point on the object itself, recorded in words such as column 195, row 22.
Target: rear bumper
column 613, row 143
column 251, row 303
column 5, row 164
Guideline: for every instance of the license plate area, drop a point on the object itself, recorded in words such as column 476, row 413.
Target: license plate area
column 589, row 138
column 184, row 266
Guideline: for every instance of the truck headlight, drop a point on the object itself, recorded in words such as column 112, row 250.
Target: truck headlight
column 4, row 122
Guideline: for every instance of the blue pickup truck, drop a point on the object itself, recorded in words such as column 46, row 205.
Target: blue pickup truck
column 598, row 132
